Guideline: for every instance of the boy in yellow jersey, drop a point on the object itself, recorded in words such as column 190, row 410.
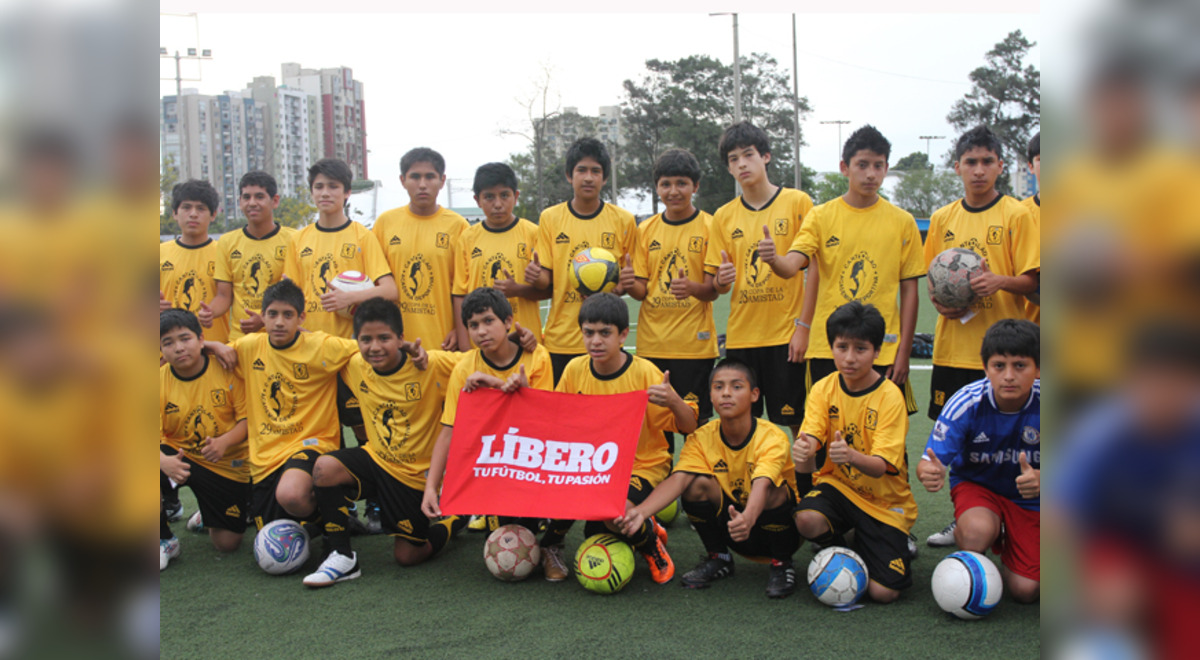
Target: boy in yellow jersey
column 997, row 228
column 865, row 249
column 403, row 403
column 764, row 330
column 187, row 265
column 496, row 362
column 738, row 486
column 608, row 369
column 675, row 321
column 496, row 251
column 202, row 433
column 252, row 258
column 853, row 436
column 420, row 241
column 565, row 229
column 1033, row 159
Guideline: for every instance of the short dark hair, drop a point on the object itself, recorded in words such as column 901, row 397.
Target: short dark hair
column 334, row 168
column 980, row 136
column 868, row 137
column 423, row 155
column 1035, row 148
column 378, row 309
column 588, row 147
column 741, row 135
column 1016, row 337
column 490, row 175
column 481, row 300
column 677, row 162
column 604, row 308
column 195, row 190
column 169, row 319
column 284, row 291
column 855, row 320
column 261, row 179
column 736, row 365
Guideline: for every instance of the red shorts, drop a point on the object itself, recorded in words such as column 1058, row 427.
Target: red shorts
column 1020, row 541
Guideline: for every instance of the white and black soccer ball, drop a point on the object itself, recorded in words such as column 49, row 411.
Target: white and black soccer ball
column 281, row 547
column 967, row 585
column 837, row 576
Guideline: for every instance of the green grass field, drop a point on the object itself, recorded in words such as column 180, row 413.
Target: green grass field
column 217, row 605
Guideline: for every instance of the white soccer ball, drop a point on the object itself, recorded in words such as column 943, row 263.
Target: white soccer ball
column 967, row 585
column 351, row 280
column 281, row 547
column 511, row 553
column 837, row 576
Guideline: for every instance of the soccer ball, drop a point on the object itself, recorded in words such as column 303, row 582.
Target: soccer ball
column 967, row 585
column 511, row 552
column 669, row 513
column 837, row 576
column 604, row 564
column 594, row 270
column 281, row 547
column 950, row 276
column 351, row 280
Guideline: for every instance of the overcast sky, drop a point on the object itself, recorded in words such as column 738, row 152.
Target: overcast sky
column 452, row 81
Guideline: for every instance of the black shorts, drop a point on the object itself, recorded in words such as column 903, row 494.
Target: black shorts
column 819, row 368
column 264, row 508
column 945, row 383
column 689, row 377
column 781, row 383
column 222, row 501
column 399, row 504
column 882, row 547
column 558, row 362
column 347, row 405
column 757, row 547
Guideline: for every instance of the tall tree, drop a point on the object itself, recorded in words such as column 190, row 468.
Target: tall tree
column 830, row 186
column 294, row 212
column 1005, row 96
column 917, row 160
column 541, row 107
column 922, row 191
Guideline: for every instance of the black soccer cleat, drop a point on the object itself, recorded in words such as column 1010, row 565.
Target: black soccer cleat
column 781, row 582
column 712, row 568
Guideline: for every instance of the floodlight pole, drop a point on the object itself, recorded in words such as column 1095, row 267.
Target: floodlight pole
column 927, row 139
column 840, row 123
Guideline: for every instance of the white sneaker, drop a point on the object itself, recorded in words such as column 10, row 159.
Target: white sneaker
column 195, row 523
column 168, row 549
column 944, row 538
column 336, row 568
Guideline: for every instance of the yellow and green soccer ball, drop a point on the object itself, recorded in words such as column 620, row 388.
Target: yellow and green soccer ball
column 669, row 513
column 594, row 270
column 604, row 564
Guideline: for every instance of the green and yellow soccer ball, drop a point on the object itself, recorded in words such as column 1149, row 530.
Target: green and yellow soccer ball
column 594, row 270
column 669, row 513
column 604, row 564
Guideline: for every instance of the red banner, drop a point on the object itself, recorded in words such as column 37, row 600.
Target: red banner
column 542, row 454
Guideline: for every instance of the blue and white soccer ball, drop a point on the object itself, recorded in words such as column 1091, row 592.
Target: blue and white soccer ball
column 837, row 576
column 967, row 585
column 281, row 547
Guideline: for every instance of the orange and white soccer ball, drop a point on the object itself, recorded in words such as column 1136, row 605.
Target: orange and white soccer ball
column 351, row 280
column 511, row 553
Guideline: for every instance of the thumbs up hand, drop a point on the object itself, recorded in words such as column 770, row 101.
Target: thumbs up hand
column 661, row 394
column 1029, row 484
column 987, row 282
column 523, row 337
column 204, row 315
column 516, row 381
column 766, row 247
column 803, row 449
column 626, row 278
column 506, row 284
column 739, row 525
column 163, row 303
column 681, row 286
column 839, row 451
column 533, row 271
column 726, row 272
column 252, row 323
column 930, row 472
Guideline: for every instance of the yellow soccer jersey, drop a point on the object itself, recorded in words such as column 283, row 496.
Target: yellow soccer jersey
column 203, row 406
column 763, row 307
column 653, row 459
column 874, row 422
column 670, row 328
column 401, row 410
column 420, row 251
column 1004, row 234
column 484, row 254
column 767, row 454
column 538, row 371
column 861, row 254
column 185, row 276
column 561, row 234
column 316, row 255
column 291, row 395
column 250, row 265
column 1034, row 205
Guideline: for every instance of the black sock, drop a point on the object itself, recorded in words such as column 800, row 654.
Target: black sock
column 803, row 482
column 441, row 531
column 164, row 527
column 333, row 502
column 556, row 532
column 644, row 539
column 706, row 519
column 783, row 538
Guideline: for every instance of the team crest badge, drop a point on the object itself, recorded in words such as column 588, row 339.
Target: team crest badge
column 1031, row 435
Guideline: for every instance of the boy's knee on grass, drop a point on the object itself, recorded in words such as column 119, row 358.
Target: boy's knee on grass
column 1021, row 588
column 408, row 554
column 224, row 540
column 977, row 529
column 880, row 593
